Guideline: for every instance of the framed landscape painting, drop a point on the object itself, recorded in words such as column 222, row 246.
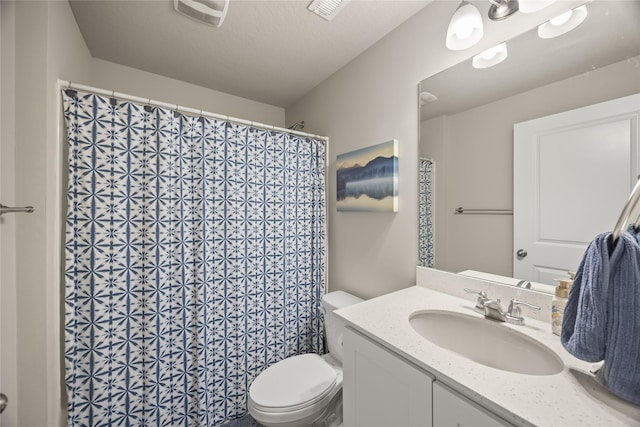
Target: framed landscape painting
column 367, row 179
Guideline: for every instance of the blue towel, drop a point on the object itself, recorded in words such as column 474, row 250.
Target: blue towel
column 635, row 233
column 602, row 316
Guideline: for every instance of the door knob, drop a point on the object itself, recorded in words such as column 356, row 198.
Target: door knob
column 521, row 253
column 3, row 402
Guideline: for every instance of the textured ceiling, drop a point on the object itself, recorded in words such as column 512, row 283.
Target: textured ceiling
column 269, row 51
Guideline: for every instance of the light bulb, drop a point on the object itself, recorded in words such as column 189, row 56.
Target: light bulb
column 489, row 53
column 490, row 57
column 563, row 23
column 561, row 19
column 465, row 28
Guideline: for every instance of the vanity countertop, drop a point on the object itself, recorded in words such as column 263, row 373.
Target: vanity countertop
column 569, row 398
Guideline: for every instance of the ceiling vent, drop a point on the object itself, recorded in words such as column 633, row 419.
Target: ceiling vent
column 211, row 12
column 326, row 9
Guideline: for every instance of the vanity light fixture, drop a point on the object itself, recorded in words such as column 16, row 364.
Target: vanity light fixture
column 501, row 9
column 465, row 28
column 491, row 56
column 563, row 23
column 530, row 6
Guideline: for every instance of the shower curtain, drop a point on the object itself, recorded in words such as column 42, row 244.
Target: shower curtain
column 195, row 258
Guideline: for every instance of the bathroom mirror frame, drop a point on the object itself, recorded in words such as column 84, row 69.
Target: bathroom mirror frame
column 585, row 50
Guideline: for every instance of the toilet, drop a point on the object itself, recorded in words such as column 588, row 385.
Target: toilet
column 305, row 390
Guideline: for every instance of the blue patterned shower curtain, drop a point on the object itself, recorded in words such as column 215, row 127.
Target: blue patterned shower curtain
column 195, row 258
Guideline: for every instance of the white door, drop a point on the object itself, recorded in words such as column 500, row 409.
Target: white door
column 573, row 173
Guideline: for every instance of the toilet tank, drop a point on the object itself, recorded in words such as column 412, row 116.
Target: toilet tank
column 333, row 325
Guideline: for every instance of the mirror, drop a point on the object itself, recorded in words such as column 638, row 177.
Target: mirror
column 467, row 118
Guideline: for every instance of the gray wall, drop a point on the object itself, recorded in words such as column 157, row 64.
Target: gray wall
column 474, row 163
column 374, row 99
column 8, row 297
column 42, row 48
column 112, row 76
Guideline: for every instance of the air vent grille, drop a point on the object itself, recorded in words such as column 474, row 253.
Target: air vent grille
column 326, row 9
column 210, row 12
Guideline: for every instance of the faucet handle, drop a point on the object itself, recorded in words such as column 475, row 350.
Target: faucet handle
column 483, row 294
column 482, row 298
column 513, row 312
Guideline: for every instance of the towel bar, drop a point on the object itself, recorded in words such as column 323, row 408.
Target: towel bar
column 8, row 209
column 462, row 210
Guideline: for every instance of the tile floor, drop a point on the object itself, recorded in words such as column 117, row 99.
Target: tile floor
column 245, row 421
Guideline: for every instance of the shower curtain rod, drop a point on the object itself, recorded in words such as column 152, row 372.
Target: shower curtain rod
column 125, row 97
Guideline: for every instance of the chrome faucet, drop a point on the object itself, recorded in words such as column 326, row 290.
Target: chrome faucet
column 493, row 310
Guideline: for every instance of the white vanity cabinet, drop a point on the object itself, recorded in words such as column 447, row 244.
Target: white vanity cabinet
column 452, row 410
column 382, row 389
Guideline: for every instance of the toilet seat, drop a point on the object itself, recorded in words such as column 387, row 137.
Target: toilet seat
column 293, row 384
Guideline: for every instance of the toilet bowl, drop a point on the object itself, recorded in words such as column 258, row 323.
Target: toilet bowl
column 305, row 390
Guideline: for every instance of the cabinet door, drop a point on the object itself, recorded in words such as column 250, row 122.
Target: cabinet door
column 380, row 388
column 452, row 410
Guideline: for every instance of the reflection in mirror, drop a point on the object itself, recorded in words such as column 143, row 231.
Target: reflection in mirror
column 467, row 125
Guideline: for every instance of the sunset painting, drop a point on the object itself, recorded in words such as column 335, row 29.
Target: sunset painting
column 367, row 179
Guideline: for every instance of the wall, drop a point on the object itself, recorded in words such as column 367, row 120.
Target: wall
column 36, row 290
column 371, row 100
column 41, row 44
column 111, row 76
column 8, row 297
column 475, row 163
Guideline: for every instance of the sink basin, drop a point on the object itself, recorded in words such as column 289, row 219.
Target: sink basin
column 487, row 342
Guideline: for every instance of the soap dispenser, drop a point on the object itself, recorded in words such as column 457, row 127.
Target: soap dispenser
column 559, row 302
